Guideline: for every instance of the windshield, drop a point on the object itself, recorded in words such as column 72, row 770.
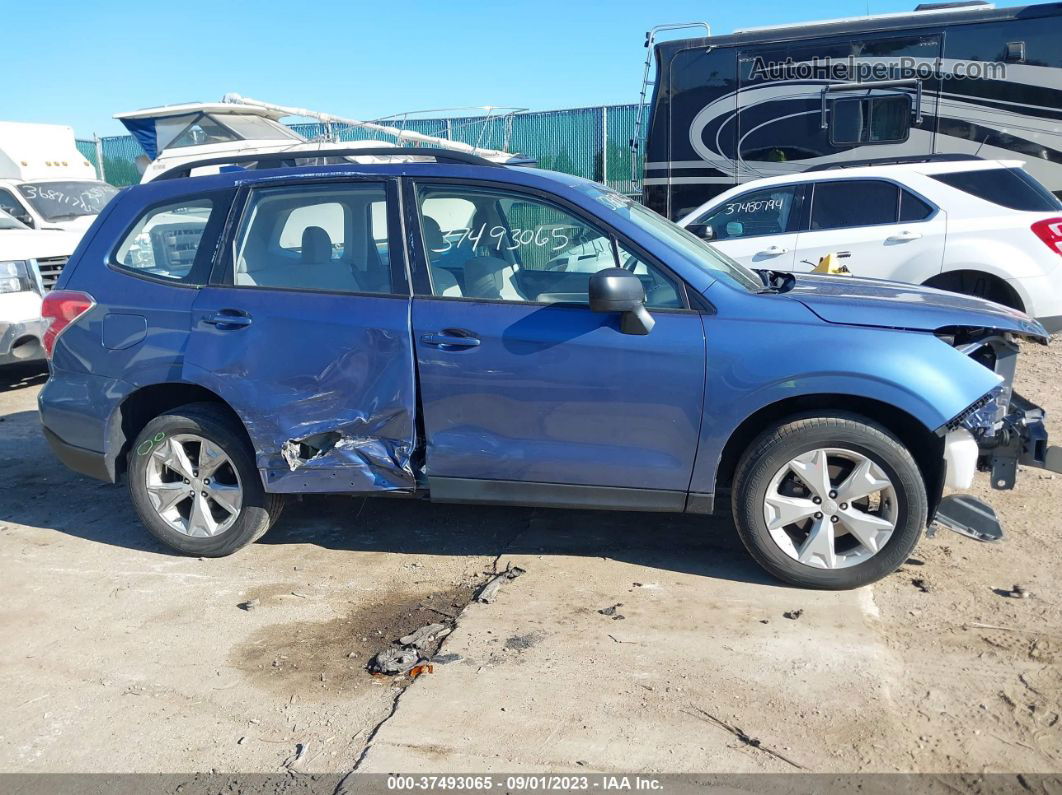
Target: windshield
column 9, row 222
column 708, row 259
column 59, row 201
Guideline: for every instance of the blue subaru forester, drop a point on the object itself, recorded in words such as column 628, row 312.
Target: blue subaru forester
column 438, row 326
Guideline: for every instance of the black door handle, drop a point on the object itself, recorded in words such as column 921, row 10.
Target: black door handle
column 227, row 319
column 451, row 338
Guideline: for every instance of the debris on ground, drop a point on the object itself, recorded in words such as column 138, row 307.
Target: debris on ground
column 611, row 612
column 793, row 615
column 294, row 759
column 445, row 659
column 425, row 635
column 423, row 668
column 1016, row 592
column 249, row 605
column 743, row 736
column 920, row 584
column 489, row 592
column 395, row 660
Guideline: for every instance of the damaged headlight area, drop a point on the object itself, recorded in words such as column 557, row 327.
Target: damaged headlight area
column 1009, row 430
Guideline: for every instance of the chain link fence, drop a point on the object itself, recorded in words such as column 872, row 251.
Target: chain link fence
column 589, row 142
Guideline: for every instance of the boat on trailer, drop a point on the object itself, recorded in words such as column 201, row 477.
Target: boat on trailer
column 172, row 135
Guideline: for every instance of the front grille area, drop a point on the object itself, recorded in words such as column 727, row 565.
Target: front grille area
column 50, row 268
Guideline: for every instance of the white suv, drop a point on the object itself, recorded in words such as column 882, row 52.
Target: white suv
column 981, row 227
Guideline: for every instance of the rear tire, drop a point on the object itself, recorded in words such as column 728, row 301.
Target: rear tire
column 170, row 471
column 837, row 541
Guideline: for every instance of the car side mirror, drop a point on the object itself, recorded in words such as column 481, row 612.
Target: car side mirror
column 703, row 231
column 619, row 290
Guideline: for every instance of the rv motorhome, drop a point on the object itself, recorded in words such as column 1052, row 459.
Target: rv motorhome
column 948, row 79
column 45, row 182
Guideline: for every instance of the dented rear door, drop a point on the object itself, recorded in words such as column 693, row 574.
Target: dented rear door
column 304, row 331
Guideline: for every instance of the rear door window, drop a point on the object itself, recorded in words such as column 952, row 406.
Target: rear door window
column 331, row 238
column 856, row 202
column 1012, row 188
column 913, row 208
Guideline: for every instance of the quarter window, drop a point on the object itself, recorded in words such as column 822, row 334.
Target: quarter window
column 761, row 212
column 1012, row 188
column 164, row 243
column 846, row 203
column 871, row 120
column 331, row 238
column 497, row 245
column 912, row 208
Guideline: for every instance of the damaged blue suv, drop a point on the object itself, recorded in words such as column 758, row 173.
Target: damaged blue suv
column 434, row 325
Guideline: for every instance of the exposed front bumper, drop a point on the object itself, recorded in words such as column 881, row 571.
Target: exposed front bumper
column 1020, row 439
column 21, row 341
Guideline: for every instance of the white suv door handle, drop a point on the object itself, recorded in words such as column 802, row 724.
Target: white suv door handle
column 773, row 251
column 903, row 236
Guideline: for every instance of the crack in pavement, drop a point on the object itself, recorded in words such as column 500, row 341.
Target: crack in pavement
column 342, row 788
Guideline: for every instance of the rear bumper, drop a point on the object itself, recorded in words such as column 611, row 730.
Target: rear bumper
column 86, row 462
column 21, row 341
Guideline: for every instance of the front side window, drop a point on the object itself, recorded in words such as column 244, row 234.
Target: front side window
column 325, row 237
column 497, row 245
column 760, row 212
column 871, row 120
column 856, row 202
column 164, row 243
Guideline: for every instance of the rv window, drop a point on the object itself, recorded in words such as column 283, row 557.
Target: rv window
column 855, row 202
column 870, row 120
column 1012, row 188
column 760, row 212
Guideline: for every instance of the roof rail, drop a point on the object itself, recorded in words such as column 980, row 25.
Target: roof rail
column 894, row 161
column 287, row 158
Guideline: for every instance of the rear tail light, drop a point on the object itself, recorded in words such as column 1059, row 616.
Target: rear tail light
column 1050, row 231
column 60, row 309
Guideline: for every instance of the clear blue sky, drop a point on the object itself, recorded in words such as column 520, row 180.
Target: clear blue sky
column 79, row 61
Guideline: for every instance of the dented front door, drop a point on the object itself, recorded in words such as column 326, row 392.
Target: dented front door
column 304, row 331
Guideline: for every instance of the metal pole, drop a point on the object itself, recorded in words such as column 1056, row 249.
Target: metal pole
column 99, row 158
column 604, row 144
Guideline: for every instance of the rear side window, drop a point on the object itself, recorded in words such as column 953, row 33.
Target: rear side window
column 1008, row 187
column 837, row 205
column 165, row 242
column 912, row 208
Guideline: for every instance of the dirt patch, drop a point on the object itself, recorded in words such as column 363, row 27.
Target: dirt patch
column 318, row 657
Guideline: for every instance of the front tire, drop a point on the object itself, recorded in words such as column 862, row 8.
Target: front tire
column 829, row 502
column 194, row 484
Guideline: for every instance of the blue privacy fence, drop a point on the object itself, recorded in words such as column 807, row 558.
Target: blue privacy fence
column 588, row 142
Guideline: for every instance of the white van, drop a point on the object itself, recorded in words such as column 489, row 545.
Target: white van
column 45, row 182
column 30, row 263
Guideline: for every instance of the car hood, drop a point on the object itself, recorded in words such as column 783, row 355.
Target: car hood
column 873, row 302
column 36, row 243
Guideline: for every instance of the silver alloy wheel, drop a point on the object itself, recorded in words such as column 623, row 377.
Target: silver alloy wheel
column 193, row 485
column 830, row 508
